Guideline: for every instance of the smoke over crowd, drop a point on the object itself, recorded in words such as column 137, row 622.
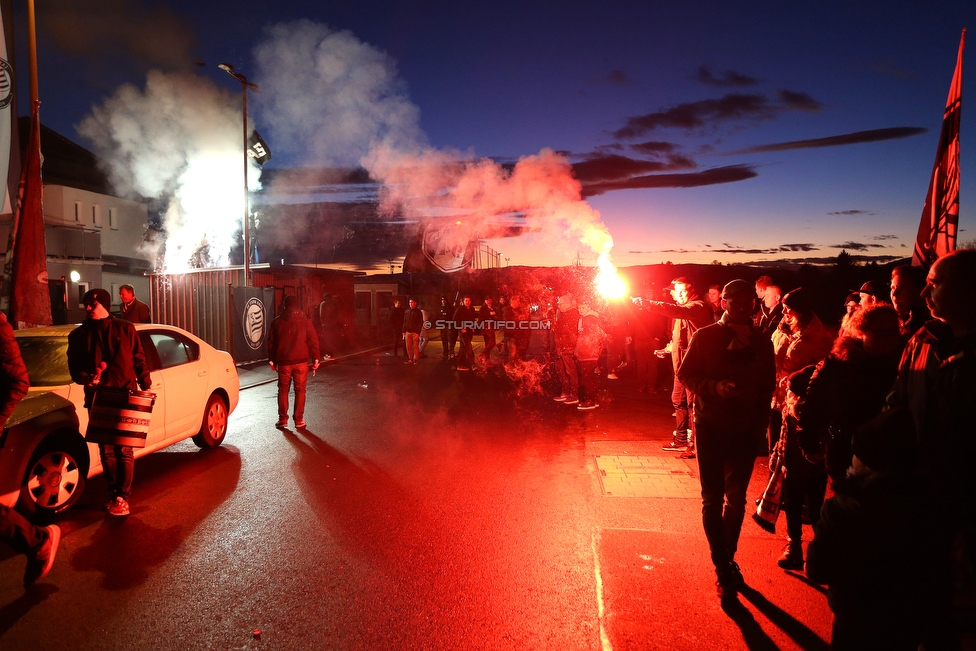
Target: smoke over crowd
column 326, row 100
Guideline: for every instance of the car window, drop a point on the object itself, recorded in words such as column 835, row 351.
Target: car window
column 174, row 350
column 152, row 359
column 46, row 359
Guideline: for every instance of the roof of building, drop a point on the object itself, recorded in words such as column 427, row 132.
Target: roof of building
column 65, row 162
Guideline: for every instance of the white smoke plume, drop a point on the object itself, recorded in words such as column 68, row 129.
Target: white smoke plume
column 178, row 140
column 328, row 97
column 336, row 100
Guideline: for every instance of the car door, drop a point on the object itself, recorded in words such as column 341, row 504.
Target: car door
column 157, row 424
column 185, row 377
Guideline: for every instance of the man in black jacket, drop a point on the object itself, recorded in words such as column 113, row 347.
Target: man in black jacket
column 291, row 342
column 730, row 369
column 106, row 352
column 445, row 316
column 465, row 319
column 488, row 316
column 133, row 310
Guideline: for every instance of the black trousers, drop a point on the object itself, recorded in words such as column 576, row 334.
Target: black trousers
column 21, row 535
column 725, row 464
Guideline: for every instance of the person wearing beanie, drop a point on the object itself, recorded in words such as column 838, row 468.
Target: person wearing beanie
column 800, row 340
column 730, row 369
column 106, row 352
column 291, row 342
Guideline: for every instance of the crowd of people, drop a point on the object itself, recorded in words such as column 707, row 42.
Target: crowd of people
column 879, row 410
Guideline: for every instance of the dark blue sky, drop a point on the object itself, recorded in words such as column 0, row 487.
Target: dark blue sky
column 692, row 91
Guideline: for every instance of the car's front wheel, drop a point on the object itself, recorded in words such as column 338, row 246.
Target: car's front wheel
column 55, row 477
column 214, row 426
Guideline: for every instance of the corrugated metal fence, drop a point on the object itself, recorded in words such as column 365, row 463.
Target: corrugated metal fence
column 197, row 301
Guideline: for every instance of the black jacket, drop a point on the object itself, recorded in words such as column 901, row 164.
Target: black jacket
column 292, row 339
column 136, row 312
column 715, row 354
column 413, row 321
column 113, row 342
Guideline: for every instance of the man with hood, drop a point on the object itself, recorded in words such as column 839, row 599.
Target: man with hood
column 106, row 352
column 291, row 343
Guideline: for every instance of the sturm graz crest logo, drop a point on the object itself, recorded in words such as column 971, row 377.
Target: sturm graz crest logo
column 6, row 86
column 253, row 319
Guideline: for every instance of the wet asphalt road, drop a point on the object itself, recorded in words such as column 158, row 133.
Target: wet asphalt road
column 428, row 510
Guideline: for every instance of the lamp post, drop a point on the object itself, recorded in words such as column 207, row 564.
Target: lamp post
column 245, row 84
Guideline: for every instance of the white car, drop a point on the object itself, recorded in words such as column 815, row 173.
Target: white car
column 44, row 458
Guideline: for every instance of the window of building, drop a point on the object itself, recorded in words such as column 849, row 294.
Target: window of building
column 97, row 215
column 82, row 290
column 78, row 212
column 113, row 219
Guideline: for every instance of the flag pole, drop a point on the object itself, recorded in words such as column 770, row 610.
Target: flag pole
column 32, row 53
column 940, row 215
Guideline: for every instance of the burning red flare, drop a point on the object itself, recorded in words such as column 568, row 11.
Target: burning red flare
column 608, row 282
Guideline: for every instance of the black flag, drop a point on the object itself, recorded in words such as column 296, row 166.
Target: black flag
column 258, row 149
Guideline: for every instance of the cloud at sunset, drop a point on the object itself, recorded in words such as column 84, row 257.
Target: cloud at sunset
column 600, row 168
column 727, row 78
column 716, row 175
column 857, row 246
column 734, row 106
column 855, row 138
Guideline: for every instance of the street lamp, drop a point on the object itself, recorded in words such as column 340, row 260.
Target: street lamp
column 245, row 84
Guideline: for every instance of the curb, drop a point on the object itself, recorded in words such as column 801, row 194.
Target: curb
column 334, row 360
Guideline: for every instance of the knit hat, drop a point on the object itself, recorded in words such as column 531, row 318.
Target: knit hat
column 799, row 301
column 100, row 296
column 738, row 286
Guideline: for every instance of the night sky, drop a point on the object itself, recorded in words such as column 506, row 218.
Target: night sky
column 736, row 132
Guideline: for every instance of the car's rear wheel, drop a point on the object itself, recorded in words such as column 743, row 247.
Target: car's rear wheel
column 214, row 426
column 55, row 477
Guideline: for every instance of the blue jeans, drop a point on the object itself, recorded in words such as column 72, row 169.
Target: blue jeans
column 288, row 373
column 683, row 401
column 119, row 464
